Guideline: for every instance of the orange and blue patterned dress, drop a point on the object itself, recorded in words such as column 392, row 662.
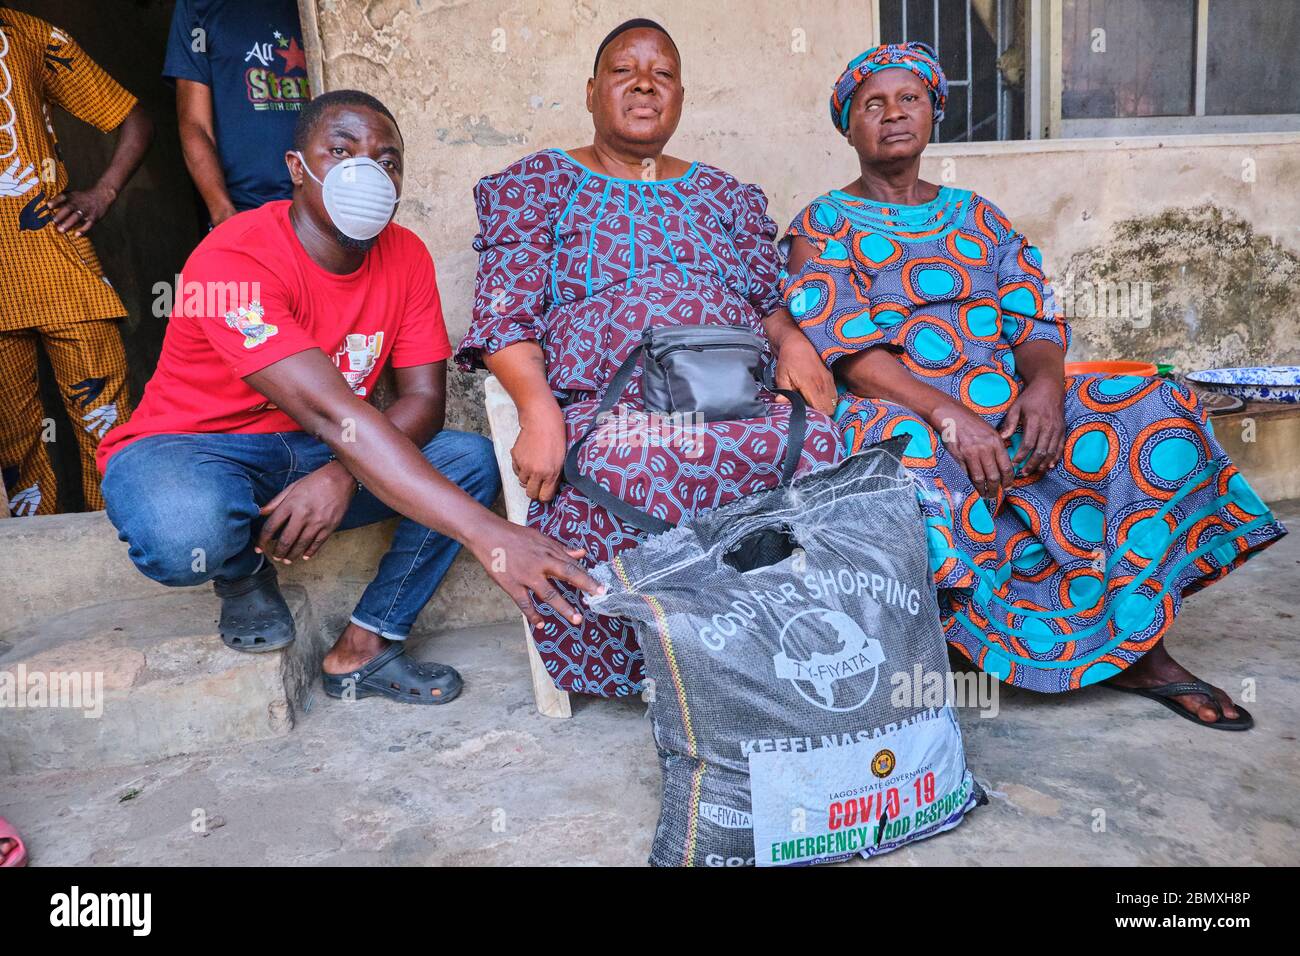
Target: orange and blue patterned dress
column 1070, row 577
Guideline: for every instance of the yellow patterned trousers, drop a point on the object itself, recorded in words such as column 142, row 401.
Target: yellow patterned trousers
column 90, row 368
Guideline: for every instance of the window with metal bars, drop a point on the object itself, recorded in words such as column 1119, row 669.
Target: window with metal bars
column 1063, row 68
column 979, row 45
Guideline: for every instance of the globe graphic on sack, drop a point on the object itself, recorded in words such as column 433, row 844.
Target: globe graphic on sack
column 829, row 659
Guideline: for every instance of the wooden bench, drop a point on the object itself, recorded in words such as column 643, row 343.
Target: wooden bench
column 503, row 421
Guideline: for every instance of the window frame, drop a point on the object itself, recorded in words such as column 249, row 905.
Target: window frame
column 1047, row 80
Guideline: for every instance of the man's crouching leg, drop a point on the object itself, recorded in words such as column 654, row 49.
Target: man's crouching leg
column 369, row 657
column 187, row 514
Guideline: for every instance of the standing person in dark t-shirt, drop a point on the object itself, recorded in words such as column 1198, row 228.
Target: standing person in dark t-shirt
column 241, row 78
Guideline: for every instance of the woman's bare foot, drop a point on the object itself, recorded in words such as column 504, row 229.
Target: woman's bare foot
column 7, row 846
column 1156, row 667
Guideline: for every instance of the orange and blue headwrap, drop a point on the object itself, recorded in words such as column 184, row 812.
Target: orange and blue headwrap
column 918, row 57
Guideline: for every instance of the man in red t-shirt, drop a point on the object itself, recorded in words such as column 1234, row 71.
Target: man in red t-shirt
column 255, row 438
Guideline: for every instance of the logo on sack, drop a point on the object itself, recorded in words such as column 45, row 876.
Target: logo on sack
column 727, row 817
column 883, row 763
column 840, row 673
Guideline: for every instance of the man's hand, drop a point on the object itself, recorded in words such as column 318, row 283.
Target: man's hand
column 1040, row 412
column 80, row 209
column 221, row 213
column 524, row 563
column 538, row 454
column 800, row 368
column 303, row 516
column 976, row 445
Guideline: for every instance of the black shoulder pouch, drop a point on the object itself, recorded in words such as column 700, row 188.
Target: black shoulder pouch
column 702, row 373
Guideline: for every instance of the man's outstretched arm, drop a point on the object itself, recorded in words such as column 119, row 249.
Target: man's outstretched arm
column 316, row 504
column 309, row 389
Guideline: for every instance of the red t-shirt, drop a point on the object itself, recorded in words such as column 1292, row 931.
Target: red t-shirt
column 250, row 296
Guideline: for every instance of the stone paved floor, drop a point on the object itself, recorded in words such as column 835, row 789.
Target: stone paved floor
column 485, row 780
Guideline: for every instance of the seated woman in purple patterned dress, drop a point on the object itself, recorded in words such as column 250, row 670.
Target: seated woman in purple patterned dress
column 582, row 251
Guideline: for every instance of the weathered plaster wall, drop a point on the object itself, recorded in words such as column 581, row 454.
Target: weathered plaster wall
column 1212, row 224
column 476, row 85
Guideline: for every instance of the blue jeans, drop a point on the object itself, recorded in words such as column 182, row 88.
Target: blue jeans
column 188, row 507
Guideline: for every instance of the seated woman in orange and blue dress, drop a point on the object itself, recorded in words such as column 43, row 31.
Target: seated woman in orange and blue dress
column 580, row 252
column 1069, row 515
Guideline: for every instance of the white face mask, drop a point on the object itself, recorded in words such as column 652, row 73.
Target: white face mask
column 359, row 196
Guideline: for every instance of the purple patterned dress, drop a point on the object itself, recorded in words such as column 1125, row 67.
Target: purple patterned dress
column 585, row 263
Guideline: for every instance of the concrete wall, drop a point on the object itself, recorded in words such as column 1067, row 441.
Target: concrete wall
column 1210, row 223
column 1207, row 223
column 477, row 85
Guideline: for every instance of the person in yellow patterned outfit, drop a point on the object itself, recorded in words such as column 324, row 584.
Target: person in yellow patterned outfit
column 52, row 288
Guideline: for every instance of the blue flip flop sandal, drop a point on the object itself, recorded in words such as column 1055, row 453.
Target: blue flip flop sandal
column 394, row 674
column 1164, row 694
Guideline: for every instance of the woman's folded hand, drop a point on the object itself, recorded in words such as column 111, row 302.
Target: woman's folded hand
column 538, row 454
column 1039, row 412
column 977, row 446
column 800, row 369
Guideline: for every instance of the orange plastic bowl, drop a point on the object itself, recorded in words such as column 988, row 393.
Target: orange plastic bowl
column 1110, row 368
